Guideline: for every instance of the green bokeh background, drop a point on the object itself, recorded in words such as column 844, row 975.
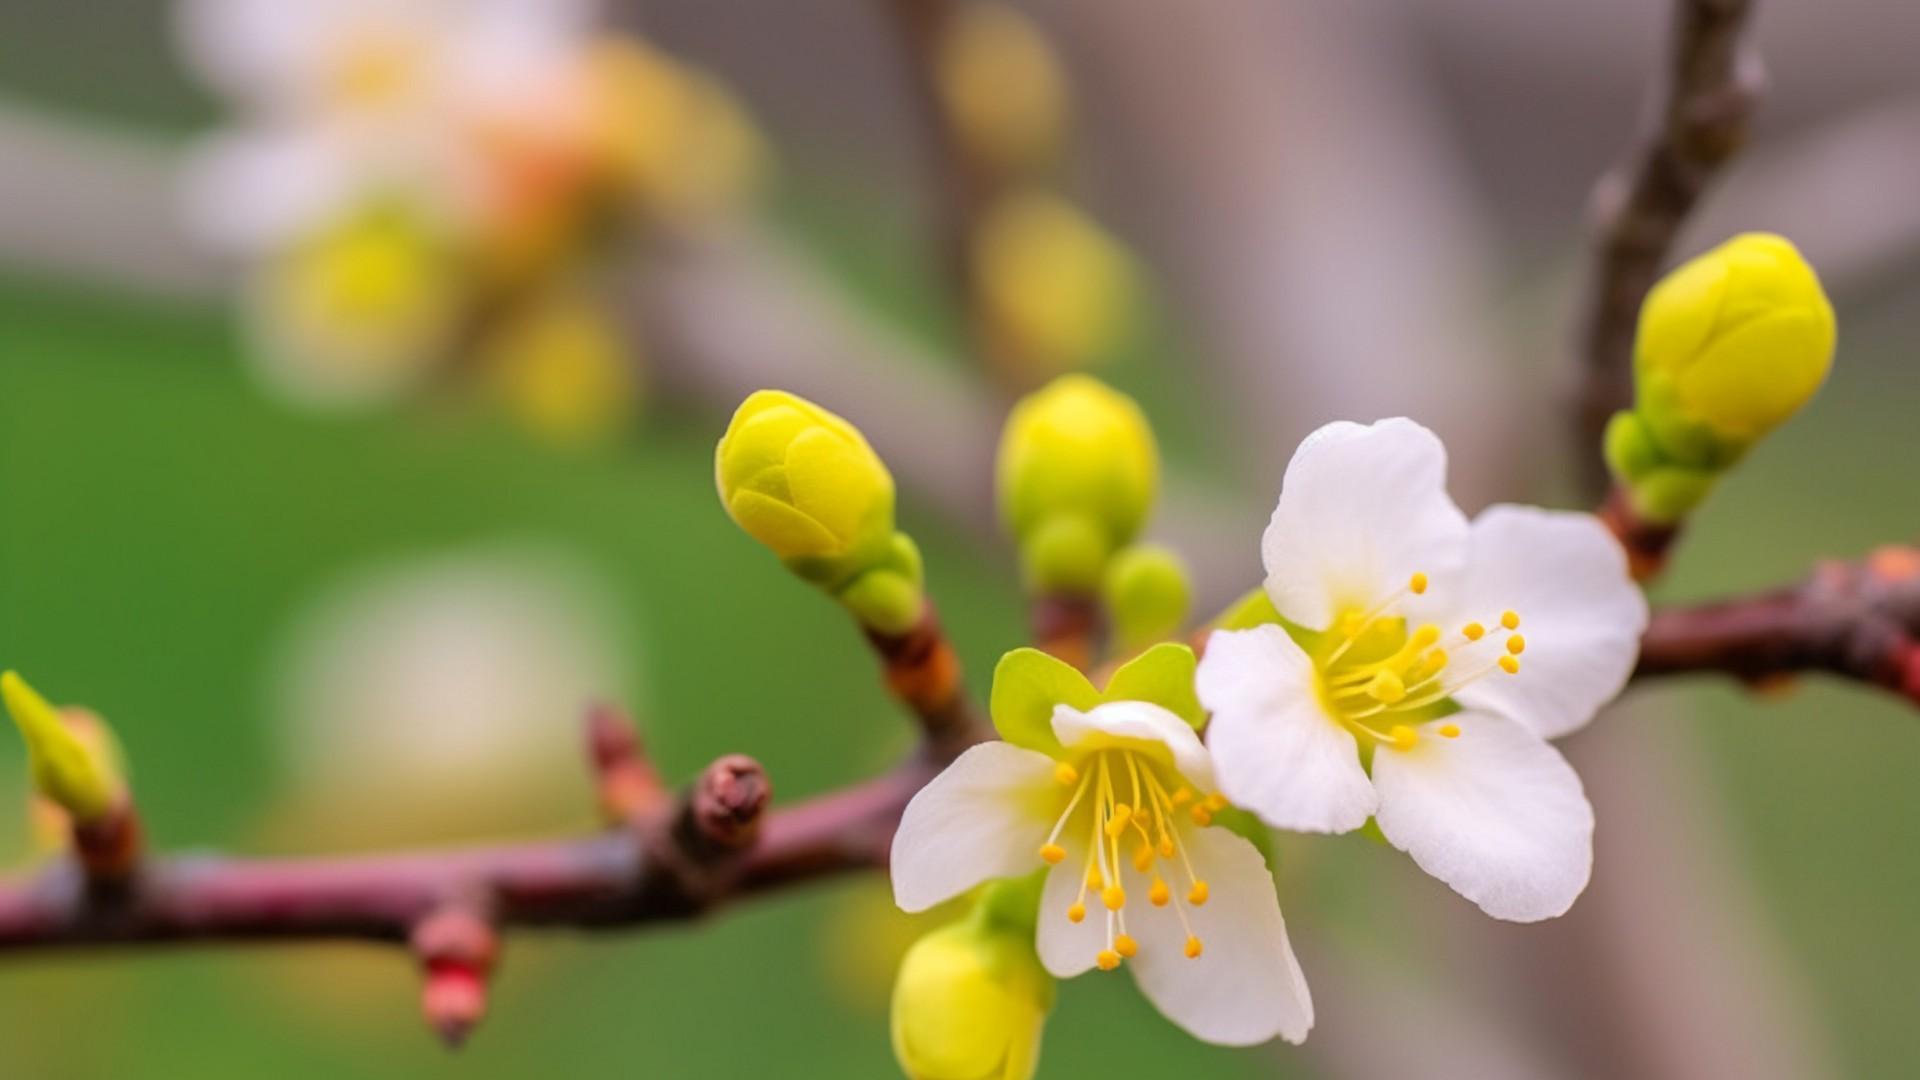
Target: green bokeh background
column 161, row 520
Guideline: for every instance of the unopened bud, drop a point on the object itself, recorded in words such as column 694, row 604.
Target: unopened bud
column 77, row 773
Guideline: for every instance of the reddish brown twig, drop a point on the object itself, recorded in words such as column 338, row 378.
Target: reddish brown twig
column 1067, row 626
column 922, row 671
column 1712, row 82
column 1857, row 620
column 1647, row 543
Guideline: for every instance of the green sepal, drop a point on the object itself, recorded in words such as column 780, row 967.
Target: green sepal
column 1254, row 609
column 888, row 597
column 1163, row 676
column 1027, row 684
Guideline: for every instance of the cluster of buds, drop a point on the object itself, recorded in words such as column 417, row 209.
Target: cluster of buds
column 1730, row 346
column 421, row 192
column 1055, row 290
column 1078, row 475
column 805, row 484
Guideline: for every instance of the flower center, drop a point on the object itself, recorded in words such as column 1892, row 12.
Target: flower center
column 1132, row 816
column 1378, row 677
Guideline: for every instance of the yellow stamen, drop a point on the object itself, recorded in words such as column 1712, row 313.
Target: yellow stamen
column 1217, row 802
column 1197, row 896
column 1158, row 894
column 1403, row 737
column 1510, row 620
column 1516, row 644
column 1166, row 847
column 1418, row 583
column 1200, row 814
column 1126, row 946
column 1143, row 858
column 1117, row 823
column 1473, row 631
column 1451, row 731
column 1182, row 796
column 1194, row 948
column 1510, row 665
column 1107, row 960
column 1114, row 897
column 1386, row 687
column 1425, row 637
column 1052, row 854
column 1066, row 774
column 1077, row 912
column 1094, row 880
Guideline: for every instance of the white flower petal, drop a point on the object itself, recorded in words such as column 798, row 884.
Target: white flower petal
column 1580, row 612
column 1496, row 813
column 1137, row 724
column 1275, row 749
column 983, row 818
column 1068, row 948
column 1246, row 986
column 1362, row 509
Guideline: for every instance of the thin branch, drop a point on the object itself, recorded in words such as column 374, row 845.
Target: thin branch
column 1858, row 620
column 1712, row 84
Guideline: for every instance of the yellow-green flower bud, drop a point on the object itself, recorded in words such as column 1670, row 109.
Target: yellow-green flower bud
column 804, row 483
column 1147, row 594
column 1078, row 473
column 1730, row 346
column 78, row 774
column 970, row 1004
column 1735, row 341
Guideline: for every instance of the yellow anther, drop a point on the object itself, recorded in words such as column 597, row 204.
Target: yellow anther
column 1194, row 948
column 1197, row 896
column 1143, row 858
column 1166, row 847
column 1418, row 583
column 1117, row 824
column 1474, row 631
column 1052, row 854
column 1386, row 687
column 1107, row 960
column 1516, row 644
column 1182, row 797
column 1158, row 894
column 1424, row 637
column 1510, row 620
column 1077, row 913
column 1217, row 802
column 1200, row 814
column 1403, row 737
column 1435, row 663
column 1114, row 897
column 1510, row 665
column 1094, row 880
column 1451, row 731
column 1126, row 946
column 1066, row 774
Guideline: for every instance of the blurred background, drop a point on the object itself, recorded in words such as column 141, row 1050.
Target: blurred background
column 348, row 445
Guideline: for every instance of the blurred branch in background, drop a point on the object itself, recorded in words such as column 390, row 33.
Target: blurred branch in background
column 1858, row 621
column 1698, row 122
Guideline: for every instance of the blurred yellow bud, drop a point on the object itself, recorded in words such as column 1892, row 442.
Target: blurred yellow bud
column 1146, row 593
column 1054, row 283
column 359, row 311
column 1001, row 86
column 970, row 1003
column 77, row 773
column 1735, row 341
column 562, row 371
column 1078, row 473
column 804, row 483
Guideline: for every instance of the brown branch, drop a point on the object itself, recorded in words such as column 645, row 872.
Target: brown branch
column 1711, row 85
column 1859, row 621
